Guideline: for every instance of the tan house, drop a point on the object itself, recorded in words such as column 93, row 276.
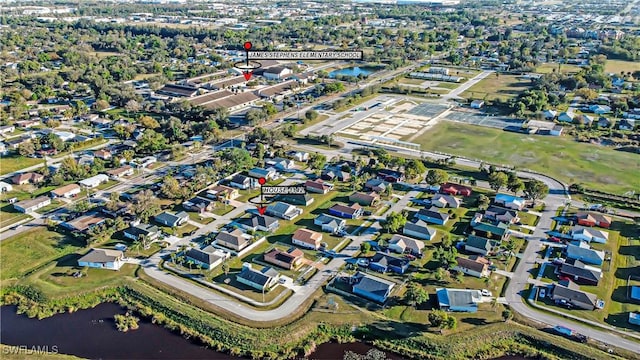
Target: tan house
column 475, row 268
column 307, row 238
column 126, row 170
column 221, row 192
column 66, row 191
column 235, row 240
column 27, row 178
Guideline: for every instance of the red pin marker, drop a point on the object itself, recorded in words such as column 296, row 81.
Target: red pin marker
column 247, row 75
column 247, row 45
column 262, row 181
column 262, row 209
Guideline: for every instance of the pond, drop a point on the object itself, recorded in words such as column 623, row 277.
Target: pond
column 353, row 71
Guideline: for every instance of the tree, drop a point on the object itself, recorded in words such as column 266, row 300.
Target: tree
column 132, row 106
column 151, row 141
column 149, row 122
column 413, row 168
column 436, row 176
column 436, row 318
column 416, row 294
column 311, row 115
column 365, row 247
column 317, row 161
column 506, row 315
column 225, row 268
column 483, row 201
column 394, row 222
column 515, row 185
column 497, row 180
column 101, row 105
column 26, row 148
column 145, row 205
column 171, row 188
column 535, row 189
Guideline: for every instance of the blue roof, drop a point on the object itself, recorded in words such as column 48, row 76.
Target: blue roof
column 635, row 292
column 508, row 198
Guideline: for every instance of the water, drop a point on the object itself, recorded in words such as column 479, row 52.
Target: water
column 353, row 71
column 92, row 334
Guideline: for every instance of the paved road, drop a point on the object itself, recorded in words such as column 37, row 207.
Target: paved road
column 514, row 292
column 454, row 94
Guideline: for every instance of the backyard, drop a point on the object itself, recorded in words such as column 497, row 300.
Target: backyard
column 596, row 167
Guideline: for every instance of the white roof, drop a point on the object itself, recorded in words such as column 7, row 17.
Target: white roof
column 94, row 180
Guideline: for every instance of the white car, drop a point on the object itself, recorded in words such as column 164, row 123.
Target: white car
column 485, row 292
column 543, row 293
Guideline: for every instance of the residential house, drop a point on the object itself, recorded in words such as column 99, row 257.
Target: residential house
column 259, row 223
column 477, row 104
column 626, row 124
column 5, row 187
column 600, row 109
column 102, row 154
column 634, row 318
column 499, row 231
column 372, row 287
column 289, row 259
column 134, row 232
column 581, row 273
column 584, row 253
column 84, row 222
column 261, row 280
column 556, row 130
column 198, row 204
column 172, row 220
column 31, row 205
column 27, row 178
column 352, row 211
column 307, row 238
column 455, row 189
column 300, row 156
column 365, row 199
column 144, row 162
column 472, row 267
column 330, row 175
column 550, row 114
column 102, row 259
column 208, row 257
column 382, row 262
column 318, row 186
column 234, row 240
column 433, row 216
column 566, row 116
column 66, row 191
column 444, row 201
column 593, row 219
column 4, row 149
column 603, row 122
column 94, row 181
column 478, row 245
column 589, row 234
column 390, row 176
column 497, row 213
column 509, row 201
column 458, row 300
column 221, row 192
column 330, row 223
column 418, row 229
column 283, row 210
column 243, row 182
column 572, row 295
column 7, row 129
column 295, row 199
column 118, row 173
column 281, row 164
column 402, row 244
column 377, row 185
column 268, row 174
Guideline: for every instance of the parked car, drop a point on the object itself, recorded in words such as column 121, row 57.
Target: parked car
column 485, row 292
column 555, row 239
column 542, row 293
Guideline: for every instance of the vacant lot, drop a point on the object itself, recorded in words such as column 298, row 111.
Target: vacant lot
column 14, row 163
column 495, row 87
column 548, row 68
column 615, row 66
column 572, row 162
column 31, row 249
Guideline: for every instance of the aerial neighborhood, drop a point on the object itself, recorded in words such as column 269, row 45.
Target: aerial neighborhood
column 223, row 169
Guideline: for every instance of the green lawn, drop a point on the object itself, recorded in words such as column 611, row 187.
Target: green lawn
column 615, row 66
column 9, row 164
column 31, row 249
column 9, row 216
column 595, row 166
column 497, row 87
column 548, row 68
column 54, row 205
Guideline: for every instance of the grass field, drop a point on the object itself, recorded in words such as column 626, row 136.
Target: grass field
column 31, row 249
column 9, row 164
column 548, row 68
column 495, row 87
column 572, row 162
column 615, row 66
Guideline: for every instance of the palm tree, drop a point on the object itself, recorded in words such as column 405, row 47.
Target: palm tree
column 190, row 262
column 136, row 245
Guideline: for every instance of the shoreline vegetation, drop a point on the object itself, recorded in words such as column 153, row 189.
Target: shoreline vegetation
column 302, row 336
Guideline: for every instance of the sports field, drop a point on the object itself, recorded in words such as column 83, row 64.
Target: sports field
column 615, row 66
column 495, row 87
column 572, row 162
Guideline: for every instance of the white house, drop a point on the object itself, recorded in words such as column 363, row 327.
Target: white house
column 589, row 234
column 94, row 181
column 5, row 187
column 402, row 244
column 301, row 156
column 102, row 259
column 277, row 73
column 477, row 104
